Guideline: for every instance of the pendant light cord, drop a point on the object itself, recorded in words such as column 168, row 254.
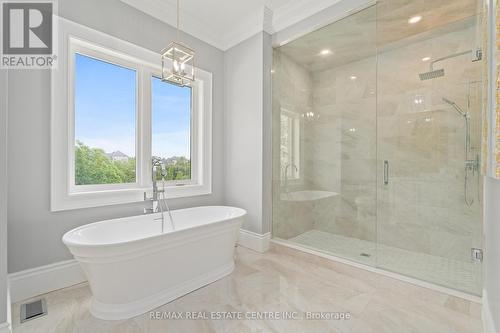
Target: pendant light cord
column 178, row 11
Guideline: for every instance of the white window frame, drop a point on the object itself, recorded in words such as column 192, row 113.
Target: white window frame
column 65, row 195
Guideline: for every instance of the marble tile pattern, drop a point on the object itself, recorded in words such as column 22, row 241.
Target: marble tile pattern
column 344, row 147
column 280, row 280
column 377, row 109
column 292, row 87
column 423, row 208
column 457, row 274
column 359, row 36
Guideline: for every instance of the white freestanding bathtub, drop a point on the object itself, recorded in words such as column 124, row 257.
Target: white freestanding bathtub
column 133, row 268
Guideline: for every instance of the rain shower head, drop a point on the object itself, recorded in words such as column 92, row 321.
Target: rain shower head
column 431, row 75
column 435, row 73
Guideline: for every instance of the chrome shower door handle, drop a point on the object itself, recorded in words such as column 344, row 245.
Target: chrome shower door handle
column 386, row 172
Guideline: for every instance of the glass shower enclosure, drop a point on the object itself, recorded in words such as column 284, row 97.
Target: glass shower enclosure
column 377, row 137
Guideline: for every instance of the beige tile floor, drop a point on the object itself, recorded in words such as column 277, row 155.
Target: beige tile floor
column 456, row 274
column 280, row 280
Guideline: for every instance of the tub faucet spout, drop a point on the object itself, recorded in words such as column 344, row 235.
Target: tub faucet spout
column 155, row 207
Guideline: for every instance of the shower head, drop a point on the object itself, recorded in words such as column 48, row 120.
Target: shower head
column 456, row 107
column 431, row 75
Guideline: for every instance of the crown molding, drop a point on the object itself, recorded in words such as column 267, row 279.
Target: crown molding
column 247, row 27
column 267, row 20
column 261, row 19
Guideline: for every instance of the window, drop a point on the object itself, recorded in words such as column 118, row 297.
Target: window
column 290, row 145
column 171, row 134
column 111, row 114
column 105, row 122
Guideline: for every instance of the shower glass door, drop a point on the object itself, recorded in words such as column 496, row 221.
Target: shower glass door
column 428, row 144
column 324, row 116
column 376, row 140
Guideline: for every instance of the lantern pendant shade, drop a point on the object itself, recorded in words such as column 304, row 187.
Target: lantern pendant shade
column 177, row 64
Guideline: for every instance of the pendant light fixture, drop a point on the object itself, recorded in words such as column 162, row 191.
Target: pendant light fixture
column 177, row 61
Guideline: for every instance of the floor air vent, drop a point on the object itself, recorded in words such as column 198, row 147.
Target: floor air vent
column 33, row 310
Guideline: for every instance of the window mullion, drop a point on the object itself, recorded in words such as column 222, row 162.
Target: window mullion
column 145, row 112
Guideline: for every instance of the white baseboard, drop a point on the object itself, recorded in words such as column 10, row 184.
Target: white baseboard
column 5, row 328
column 44, row 279
column 488, row 324
column 254, row 241
column 40, row 280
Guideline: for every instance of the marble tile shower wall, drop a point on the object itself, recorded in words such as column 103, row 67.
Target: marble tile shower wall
column 377, row 109
column 343, row 146
column 423, row 208
column 292, row 91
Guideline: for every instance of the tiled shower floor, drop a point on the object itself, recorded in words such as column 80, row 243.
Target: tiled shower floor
column 460, row 275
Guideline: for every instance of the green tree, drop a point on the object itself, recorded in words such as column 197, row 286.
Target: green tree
column 127, row 169
column 176, row 168
column 93, row 166
column 180, row 170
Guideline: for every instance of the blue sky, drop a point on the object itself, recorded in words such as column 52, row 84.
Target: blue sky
column 171, row 119
column 105, row 101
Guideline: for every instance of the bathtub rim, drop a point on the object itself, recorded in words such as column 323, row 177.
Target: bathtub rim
column 70, row 243
column 125, row 252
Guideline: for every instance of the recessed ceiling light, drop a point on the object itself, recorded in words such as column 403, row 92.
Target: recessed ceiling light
column 353, row 77
column 414, row 19
column 325, row 52
column 426, row 58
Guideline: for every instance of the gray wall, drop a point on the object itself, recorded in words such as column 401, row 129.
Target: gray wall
column 246, row 105
column 34, row 232
column 3, row 198
column 492, row 257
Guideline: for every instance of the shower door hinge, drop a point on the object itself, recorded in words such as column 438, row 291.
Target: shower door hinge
column 477, row 255
column 477, row 54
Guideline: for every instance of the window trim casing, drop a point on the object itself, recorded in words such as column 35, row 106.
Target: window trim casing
column 63, row 196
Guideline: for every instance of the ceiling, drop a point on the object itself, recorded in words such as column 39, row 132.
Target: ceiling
column 348, row 40
column 377, row 28
column 225, row 23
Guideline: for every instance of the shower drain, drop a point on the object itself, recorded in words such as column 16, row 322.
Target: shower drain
column 365, row 254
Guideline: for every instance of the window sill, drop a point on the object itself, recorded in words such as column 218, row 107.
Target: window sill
column 93, row 199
